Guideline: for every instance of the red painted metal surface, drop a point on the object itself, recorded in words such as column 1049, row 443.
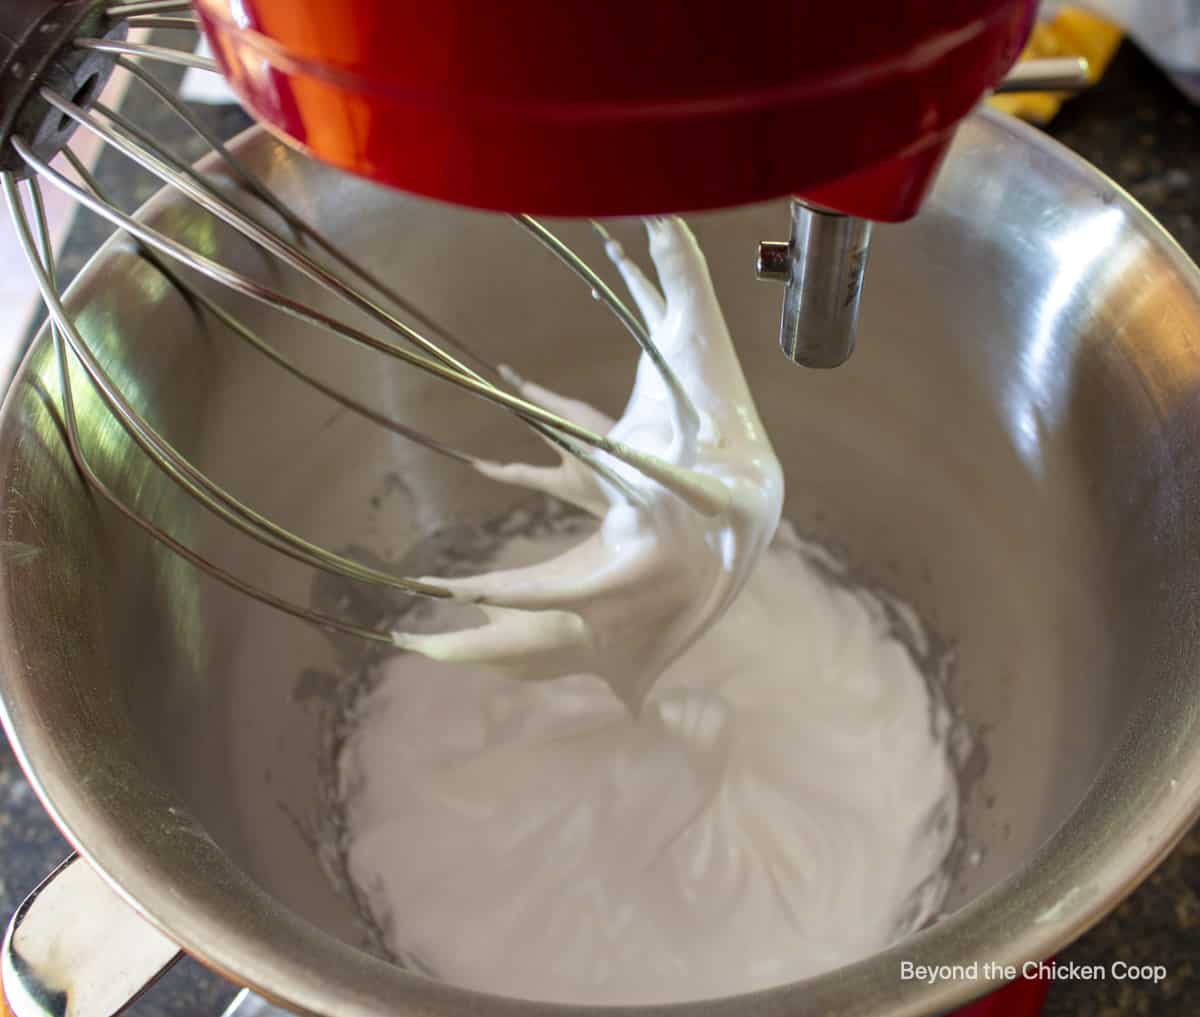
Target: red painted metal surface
column 571, row 107
column 1023, row 998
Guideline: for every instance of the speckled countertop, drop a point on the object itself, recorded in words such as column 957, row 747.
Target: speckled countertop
column 1140, row 131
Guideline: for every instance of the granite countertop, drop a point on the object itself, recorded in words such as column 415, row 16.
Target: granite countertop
column 1136, row 128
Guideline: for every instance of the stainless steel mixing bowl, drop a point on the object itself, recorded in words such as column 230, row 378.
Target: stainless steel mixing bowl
column 1015, row 448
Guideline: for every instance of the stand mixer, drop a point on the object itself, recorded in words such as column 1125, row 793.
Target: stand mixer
column 688, row 94
column 696, row 110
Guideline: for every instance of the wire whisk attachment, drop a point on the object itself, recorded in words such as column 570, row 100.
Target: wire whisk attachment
column 58, row 101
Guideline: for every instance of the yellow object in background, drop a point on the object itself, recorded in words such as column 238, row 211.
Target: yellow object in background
column 1070, row 33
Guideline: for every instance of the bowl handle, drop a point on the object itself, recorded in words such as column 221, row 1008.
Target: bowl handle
column 74, row 946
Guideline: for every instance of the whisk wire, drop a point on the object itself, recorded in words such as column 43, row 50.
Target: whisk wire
column 148, row 7
column 136, row 145
column 164, row 54
column 243, row 331
column 209, row 198
column 168, row 23
column 44, row 274
column 248, row 180
column 702, row 492
column 603, row 292
column 132, row 142
column 257, row 291
column 181, row 471
column 255, row 187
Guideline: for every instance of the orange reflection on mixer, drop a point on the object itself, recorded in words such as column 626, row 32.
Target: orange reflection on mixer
column 621, row 108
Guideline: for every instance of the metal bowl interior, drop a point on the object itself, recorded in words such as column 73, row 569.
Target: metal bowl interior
column 1014, row 448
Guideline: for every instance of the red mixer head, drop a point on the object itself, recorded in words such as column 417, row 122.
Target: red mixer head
column 626, row 106
column 566, row 107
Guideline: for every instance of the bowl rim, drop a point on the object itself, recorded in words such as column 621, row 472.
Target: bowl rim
column 255, row 941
